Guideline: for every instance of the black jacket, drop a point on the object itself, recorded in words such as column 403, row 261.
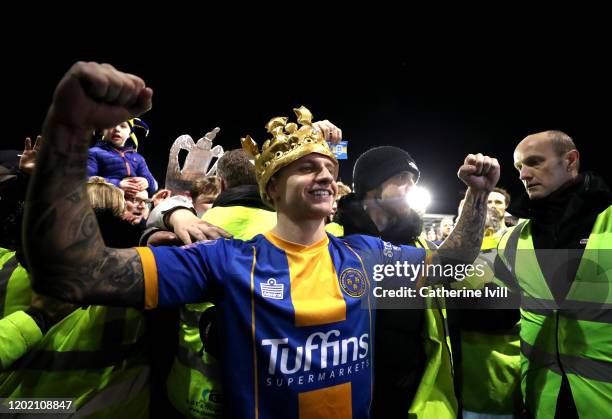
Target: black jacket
column 399, row 355
column 243, row 195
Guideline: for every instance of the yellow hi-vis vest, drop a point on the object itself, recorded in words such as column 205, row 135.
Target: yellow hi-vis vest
column 94, row 356
column 490, row 360
column 194, row 381
column 572, row 338
column 435, row 397
column 15, row 290
column 19, row 332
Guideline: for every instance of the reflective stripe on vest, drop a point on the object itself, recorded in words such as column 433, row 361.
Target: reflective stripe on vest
column 584, row 367
column 578, row 310
column 120, row 397
column 195, row 361
column 573, row 337
column 89, row 351
column 111, row 351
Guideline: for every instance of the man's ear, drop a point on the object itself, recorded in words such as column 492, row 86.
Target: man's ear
column 573, row 159
column 272, row 188
column 223, row 186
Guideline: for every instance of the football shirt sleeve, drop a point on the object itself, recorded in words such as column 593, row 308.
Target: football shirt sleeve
column 181, row 275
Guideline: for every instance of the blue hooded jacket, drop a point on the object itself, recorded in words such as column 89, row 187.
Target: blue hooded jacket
column 115, row 164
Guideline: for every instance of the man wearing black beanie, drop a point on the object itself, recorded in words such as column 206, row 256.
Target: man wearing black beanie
column 378, row 164
column 409, row 375
column 382, row 177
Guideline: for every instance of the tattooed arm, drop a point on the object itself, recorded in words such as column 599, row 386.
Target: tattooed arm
column 66, row 254
column 480, row 173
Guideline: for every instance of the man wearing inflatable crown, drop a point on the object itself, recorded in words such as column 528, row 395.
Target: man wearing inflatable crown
column 296, row 304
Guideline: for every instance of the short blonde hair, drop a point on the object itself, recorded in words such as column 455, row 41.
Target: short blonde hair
column 342, row 190
column 105, row 196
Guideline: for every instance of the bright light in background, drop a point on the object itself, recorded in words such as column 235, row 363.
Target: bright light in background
column 419, row 199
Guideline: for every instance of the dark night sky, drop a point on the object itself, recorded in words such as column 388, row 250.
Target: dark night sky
column 438, row 105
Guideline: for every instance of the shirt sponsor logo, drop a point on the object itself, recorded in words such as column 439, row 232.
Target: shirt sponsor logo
column 323, row 357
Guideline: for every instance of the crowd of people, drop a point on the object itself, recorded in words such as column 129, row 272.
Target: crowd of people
column 250, row 294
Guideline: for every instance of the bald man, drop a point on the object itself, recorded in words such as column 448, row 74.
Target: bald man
column 559, row 262
column 547, row 162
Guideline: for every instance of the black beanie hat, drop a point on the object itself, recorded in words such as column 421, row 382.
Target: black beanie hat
column 377, row 165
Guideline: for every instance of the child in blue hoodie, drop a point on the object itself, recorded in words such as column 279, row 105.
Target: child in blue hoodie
column 119, row 164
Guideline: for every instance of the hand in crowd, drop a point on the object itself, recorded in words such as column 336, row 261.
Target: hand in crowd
column 129, row 188
column 479, row 172
column 189, row 227
column 164, row 238
column 132, row 185
column 330, row 132
column 141, row 183
column 27, row 162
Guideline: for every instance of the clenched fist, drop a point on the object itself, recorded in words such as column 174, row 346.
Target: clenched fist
column 479, row 172
column 96, row 96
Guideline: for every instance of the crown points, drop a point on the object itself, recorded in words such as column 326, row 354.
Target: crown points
column 291, row 127
column 304, row 117
column 305, row 131
column 249, row 146
column 275, row 124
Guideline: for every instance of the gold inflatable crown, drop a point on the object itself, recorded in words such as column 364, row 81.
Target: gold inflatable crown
column 288, row 143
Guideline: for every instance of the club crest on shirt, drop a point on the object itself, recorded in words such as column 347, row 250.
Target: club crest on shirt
column 352, row 282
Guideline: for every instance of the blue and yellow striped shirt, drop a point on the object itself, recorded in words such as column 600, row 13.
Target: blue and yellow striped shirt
column 296, row 321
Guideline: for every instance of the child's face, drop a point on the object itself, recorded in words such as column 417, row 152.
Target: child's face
column 117, row 135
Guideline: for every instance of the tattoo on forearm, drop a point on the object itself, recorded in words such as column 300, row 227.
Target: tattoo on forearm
column 74, row 197
column 67, row 254
column 463, row 244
